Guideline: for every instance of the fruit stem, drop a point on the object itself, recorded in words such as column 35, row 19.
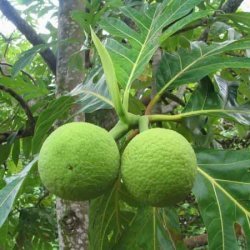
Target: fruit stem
column 119, row 130
column 143, row 123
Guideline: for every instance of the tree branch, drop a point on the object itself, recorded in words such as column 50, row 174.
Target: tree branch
column 29, row 130
column 231, row 6
column 176, row 99
column 196, row 241
column 24, row 72
column 11, row 13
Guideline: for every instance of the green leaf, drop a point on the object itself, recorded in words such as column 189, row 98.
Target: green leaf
column 149, row 230
column 137, row 46
column 141, row 234
column 182, row 23
column 187, row 66
column 228, row 92
column 55, row 110
column 92, row 95
column 10, row 191
column 205, row 100
column 16, row 151
column 24, row 88
column 204, row 97
column 27, row 146
column 107, row 220
column 222, row 189
column 240, row 19
column 26, row 58
column 4, row 152
column 109, row 72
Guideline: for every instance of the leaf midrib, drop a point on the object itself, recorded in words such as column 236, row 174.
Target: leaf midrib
column 216, row 184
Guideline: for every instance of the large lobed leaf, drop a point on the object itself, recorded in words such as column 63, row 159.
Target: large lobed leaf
column 185, row 66
column 222, row 189
column 152, row 228
column 137, row 45
column 107, row 220
column 116, row 225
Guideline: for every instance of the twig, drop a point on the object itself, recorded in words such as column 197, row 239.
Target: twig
column 176, row 100
column 29, row 130
column 42, row 197
column 8, row 41
column 24, row 72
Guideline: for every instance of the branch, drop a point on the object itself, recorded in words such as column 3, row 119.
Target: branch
column 231, row 6
column 10, row 12
column 24, row 72
column 22, row 133
column 29, row 130
column 196, row 241
column 176, row 99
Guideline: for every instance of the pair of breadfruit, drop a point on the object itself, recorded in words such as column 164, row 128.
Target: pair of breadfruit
column 80, row 161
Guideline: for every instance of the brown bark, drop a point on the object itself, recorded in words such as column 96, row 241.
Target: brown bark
column 72, row 217
column 196, row 241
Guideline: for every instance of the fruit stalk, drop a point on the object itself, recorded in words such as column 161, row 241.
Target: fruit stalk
column 119, row 130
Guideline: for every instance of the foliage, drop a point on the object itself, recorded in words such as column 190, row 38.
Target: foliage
column 181, row 65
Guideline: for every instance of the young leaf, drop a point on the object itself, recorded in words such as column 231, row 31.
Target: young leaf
column 10, row 191
column 92, row 96
column 110, row 75
column 222, row 189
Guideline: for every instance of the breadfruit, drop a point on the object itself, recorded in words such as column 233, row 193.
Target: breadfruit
column 79, row 161
column 158, row 167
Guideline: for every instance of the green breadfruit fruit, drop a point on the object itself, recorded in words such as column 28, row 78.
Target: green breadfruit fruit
column 158, row 167
column 79, row 161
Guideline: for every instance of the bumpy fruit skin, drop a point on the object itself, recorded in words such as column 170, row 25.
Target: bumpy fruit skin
column 79, row 161
column 158, row 167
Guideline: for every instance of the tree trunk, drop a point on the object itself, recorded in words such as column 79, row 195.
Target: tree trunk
column 72, row 217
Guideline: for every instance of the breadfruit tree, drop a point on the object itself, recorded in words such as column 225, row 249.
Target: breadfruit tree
column 169, row 81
